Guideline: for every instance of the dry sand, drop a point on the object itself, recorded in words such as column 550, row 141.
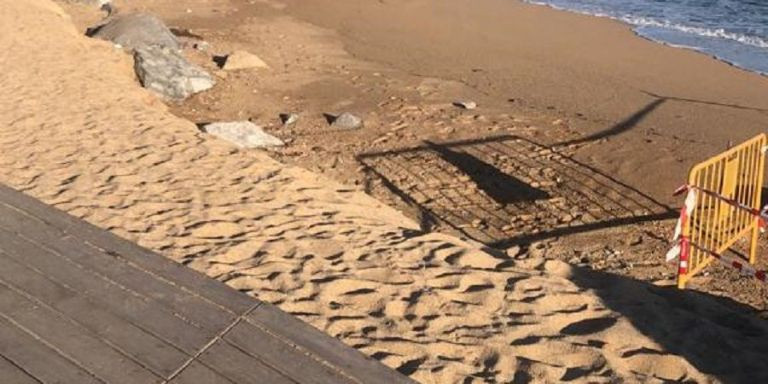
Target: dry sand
column 603, row 213
column 77, row 132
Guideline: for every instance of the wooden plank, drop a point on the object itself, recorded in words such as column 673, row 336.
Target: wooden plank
column 241, row 367
column 38, row 359
column 140, row 310
column 347, row 360
column 211, row 289
column 78, row 304
column 197, row 373
column 91, row 352
column 183, row 302
column 285, row 358
column 10, row 373
column 149, row 350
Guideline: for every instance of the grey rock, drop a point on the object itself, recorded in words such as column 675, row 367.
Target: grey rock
column 347, row 121
column 166, row 72
column 136, row 30
column 244, row 134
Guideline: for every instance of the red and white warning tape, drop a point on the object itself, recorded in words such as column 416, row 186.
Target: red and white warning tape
column 745, row 269
column 682, row 245
column 680, row 248
column 762, row 215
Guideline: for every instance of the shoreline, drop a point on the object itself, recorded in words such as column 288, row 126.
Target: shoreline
column 638, row 34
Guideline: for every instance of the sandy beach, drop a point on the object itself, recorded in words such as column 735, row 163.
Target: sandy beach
column 655, row 107
column 577, row 294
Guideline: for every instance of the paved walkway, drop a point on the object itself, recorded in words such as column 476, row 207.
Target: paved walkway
column 80, row 305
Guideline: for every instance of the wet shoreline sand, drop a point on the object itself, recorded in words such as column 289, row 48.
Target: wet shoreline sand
column 640, row 106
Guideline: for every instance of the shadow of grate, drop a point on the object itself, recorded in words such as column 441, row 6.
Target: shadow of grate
column 507, row 190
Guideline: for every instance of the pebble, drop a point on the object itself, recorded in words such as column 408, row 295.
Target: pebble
column 201, row 46
column 635, row 240
column 244, row 134
column 576, row 260
column 526, row 217
column 557, row 200
column 289, row 118
column 347, row 121
column 243, row 60
column 513, row 251
column 465, row 104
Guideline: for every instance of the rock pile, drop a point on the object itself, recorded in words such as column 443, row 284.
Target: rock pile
column 158, row 60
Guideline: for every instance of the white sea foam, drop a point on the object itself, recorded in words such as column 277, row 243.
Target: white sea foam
column 706, row 32
column 730, row 30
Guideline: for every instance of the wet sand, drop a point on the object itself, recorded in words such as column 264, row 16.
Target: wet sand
column 642, row 109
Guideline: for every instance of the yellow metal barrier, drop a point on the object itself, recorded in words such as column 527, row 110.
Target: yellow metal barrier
column 715, row 224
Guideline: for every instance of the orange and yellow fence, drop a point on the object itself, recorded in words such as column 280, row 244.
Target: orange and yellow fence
column 723, row 207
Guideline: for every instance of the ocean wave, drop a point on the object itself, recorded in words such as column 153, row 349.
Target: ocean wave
column 640, row 21
column 730, row 30
column 705, row 32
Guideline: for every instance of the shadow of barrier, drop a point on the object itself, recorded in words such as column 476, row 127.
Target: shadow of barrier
column 722, row 208
column 507, row 190
column 720, row 337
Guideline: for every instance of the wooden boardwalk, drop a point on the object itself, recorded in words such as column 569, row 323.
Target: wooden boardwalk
column 80, row 305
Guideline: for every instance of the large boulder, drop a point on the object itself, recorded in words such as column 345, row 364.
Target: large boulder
column 136, row 30
column 244, row 134
column 165, row 71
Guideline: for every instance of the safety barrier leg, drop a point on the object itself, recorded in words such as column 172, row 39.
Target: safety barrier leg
column 753, row 242
column 758, row 200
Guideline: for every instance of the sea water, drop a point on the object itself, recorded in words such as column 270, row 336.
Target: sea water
column 735, row 31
